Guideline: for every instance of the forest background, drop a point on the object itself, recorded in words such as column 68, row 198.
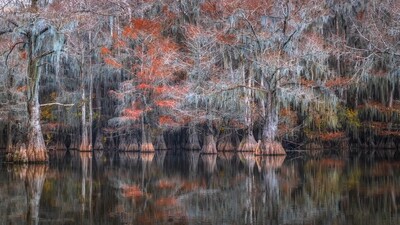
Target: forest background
column 256, row 75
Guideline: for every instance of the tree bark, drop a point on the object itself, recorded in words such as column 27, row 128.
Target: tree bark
column 193, row 141
column 133, row 143
column 90, row 125
column 209, row 145
column 160, row 142
column 9, row 144
column 269, row 145
column 146, row 145
column 36, row 148
column 227, row 142
column 84, row 146
column 248, row 143
column 36, row 151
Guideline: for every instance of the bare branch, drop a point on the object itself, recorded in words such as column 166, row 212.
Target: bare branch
column 57, row 103
column 12, row 49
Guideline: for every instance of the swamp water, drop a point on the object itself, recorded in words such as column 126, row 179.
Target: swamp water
column 171, row 187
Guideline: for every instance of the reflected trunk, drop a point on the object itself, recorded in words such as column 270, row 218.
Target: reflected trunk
column 86, row 162
column 193, row 160
column 160, row 157
column 209, row 163
column 35, row 177
column 248, row 159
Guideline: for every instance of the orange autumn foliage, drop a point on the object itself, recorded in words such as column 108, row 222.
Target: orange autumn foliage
column 166, row 120
column 133, row 113
column 140, row 25
column 144, row 86
column 23, row 55
column 307, row 83
column 226, row 39
column 332, row 136
column 166, row 103
column 113, row 63
column 105, row 51
column 337, row 82
column 160, row 89
column 22, row 88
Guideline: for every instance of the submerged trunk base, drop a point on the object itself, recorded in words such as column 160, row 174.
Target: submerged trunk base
column 269, row 148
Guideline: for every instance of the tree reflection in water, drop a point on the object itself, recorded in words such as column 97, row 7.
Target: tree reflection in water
column 170, row 187
column 34, row 180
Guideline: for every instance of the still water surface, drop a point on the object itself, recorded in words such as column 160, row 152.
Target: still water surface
column 187, row 188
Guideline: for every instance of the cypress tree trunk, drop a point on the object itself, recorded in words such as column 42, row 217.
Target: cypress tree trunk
column 36, row 151
column 269, row 145
column 227, row 142
column 9, row 144
column 209, row 145
column 36, row 148
column 248, row 143
column 193, row 141
column 147, row 145
column 84, row 146
column 160, row 142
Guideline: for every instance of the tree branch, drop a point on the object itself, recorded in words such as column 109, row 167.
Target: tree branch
column 56, row 103
column 12, row 49
column 43, row 55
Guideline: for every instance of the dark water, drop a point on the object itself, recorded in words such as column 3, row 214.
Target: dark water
column 188, row 188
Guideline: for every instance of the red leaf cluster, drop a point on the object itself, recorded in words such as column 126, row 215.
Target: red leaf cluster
column 113, row 63
column 165, row 103
column 133, row 113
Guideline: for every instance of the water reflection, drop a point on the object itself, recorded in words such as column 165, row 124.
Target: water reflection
column 209, row 163
column 35, row 176
column 170, row 187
